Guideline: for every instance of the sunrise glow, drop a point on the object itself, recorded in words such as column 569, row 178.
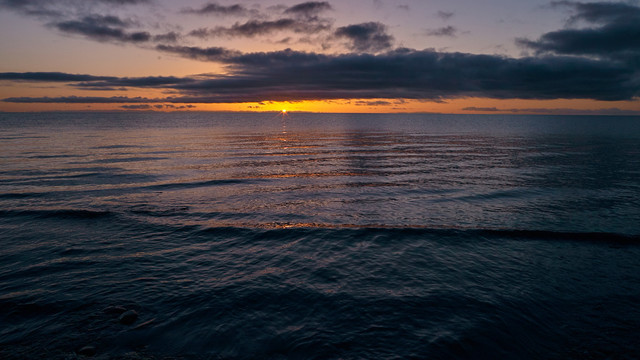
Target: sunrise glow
column 142, row 55
column 302, row 179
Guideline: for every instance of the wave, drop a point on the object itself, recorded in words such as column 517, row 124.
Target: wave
column 59, row 214
column 125, row 160
column 193, row 222
column 279, row 231
column 10, row 196
column 106, row 147
column 195, row 184
column 58, row 156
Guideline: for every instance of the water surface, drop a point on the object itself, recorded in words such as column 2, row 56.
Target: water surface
column 242, row 236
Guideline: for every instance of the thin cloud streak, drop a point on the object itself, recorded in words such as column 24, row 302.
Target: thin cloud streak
column 58, row 8
column 52, row 77
column 445, row 15
column 103, row 28
column 253, row 28
column 447, row 31
column 556, row 111
column 217, row 9
column 309, row 9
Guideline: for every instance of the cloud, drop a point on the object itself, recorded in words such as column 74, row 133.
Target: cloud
column 613, row 35
column 309, row 9
column 400, row 74
column 254, row 28
column 125, row 2
column 301, row 19
column 476, row 108
column 81, row 100
column 366, row 37
column 52, row 77
column 89, row 19
column 30, row 8
column 139, row 82
column 445, row 15
column 245, row 61
column 216, row 9
column 425, row 74
column 170, row 37
column 57, row 8
column 216, row 54
column 557, row 111
column 449, row 31
column 373, row 103
column 306, row 10
column 600, row 12
column 103, row 28
column 137, row 107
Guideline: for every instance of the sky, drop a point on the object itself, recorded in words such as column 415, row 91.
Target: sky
column 453, row 56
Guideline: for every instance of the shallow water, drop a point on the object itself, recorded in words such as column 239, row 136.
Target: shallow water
column 319, row 236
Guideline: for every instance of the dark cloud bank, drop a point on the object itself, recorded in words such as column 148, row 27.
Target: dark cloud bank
column 613, row 33
column 403, row 73
column 597, row 61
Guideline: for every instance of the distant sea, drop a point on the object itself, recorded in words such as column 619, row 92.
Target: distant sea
column 319, row 236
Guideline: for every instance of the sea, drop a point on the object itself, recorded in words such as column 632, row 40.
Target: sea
column 197, row 235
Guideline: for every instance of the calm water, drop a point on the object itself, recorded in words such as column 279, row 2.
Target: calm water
column 319, row 236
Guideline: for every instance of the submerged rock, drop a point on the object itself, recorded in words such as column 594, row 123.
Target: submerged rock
column 87, row 351
column 116, row 310
column 128, row 317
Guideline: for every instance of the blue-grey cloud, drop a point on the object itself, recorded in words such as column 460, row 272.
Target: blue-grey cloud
column 423, row 74
column 170, row 37
column 445, row 15
column 614, row 34
column 448, row 31
column 480, row 108
column 216, row 54
column 373, row 103
column 366, row 37
column 82, row 100
column 58, row 8
column 103, row 28
column 52, row 77
column 31, row 8
column 399, row 74
column 138, row 82
column 309, row 9
column 125, row 2
column 600, row 12
column 137, row 107
column 254, row 28
column 217, row 9
column 88, row 19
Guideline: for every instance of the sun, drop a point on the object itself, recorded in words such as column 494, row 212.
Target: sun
column 284, row 111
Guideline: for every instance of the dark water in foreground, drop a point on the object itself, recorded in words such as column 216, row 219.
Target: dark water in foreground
column 251, row 236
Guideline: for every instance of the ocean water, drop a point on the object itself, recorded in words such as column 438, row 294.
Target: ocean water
column 319, row 236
